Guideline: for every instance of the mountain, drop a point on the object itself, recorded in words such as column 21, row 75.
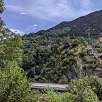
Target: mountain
column 89, row 25
column 53, row 55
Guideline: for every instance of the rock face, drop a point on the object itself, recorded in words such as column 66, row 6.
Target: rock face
column 90, row 24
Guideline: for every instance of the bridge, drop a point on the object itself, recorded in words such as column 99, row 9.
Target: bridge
column 57, row 87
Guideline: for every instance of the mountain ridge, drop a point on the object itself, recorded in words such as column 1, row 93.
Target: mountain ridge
column 90, row 24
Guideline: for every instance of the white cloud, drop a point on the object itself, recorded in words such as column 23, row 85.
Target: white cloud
column 35, row 25
column 17, row 31
column 23, row 13
column 16, row 8
column 52, row 9
column 32, row 27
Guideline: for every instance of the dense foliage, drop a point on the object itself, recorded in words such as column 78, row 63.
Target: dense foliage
column 10, row 50
column 59, row 59
column 50, row 56
column 58, row 97
column 93, row 85
column 84, row 89
column 66, row 51
column 14, row 86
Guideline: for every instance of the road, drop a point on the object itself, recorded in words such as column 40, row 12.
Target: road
column 57, row 87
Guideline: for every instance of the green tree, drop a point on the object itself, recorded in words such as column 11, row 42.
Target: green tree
column 11, row 50
column 1, row 11
column 52, row 96
column 1, row 6
column 14, row 86
column 89, row 96
column 82, row 86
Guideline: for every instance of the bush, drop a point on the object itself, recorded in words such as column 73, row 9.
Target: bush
column 53, row 97
column 59, row 97
column 89, row 96
column 79, row 86
column 14, row 86
column 96, row 85
column 67, row 97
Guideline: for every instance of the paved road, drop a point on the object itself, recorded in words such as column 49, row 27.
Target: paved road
column 58, row 87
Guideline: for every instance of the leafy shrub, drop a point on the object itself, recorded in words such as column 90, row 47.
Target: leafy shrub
column 59, row 97
column 96, row 85
column 14, row 86
column 80, row 86
column 67, row 97
column 89, row 96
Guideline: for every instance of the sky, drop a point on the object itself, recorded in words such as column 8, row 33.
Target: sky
column 25, row 16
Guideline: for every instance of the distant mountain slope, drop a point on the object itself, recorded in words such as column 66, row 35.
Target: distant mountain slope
column 90, row 24
column 54, row 56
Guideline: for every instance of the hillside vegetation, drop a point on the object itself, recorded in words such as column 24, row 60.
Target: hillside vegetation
column 58, row 58
column 60, row 55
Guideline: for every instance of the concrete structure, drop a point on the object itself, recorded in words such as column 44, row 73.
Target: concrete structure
column 57, row 87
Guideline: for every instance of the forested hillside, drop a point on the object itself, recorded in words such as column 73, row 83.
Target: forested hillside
column 58, row 55
column 61, row 59
column 63, row 54
column 89, row 25
column 14, row 86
